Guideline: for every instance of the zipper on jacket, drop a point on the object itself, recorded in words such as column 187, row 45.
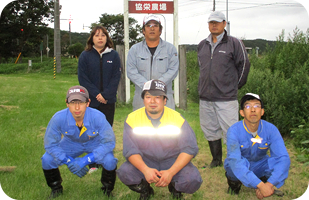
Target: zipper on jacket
column 209, row 78
column 101, row 73
column 151, row 67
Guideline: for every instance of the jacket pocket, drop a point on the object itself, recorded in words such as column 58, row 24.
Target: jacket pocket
column 142, row 64
column 262, row 148
column 92, row 133
column 245, row 149
column 162, row 64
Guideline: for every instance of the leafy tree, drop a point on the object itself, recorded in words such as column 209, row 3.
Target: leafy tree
column 76, row 49
column 23, row 25
column 114, row 25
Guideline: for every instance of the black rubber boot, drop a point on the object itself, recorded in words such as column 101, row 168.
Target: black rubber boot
column 174, row 192
column 108, row 179
column 216, row 152
column 234, row 186
column 53, row 179
column 144, row 189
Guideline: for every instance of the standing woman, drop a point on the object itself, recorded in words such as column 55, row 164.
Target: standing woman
column 99, row 71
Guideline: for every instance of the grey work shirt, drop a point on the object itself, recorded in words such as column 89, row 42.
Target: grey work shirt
column 142, row 67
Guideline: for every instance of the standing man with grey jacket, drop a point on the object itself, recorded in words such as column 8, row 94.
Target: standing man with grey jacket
column 153, row 58
column 224, row 68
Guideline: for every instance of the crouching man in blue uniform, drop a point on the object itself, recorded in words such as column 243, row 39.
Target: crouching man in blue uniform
column 247, row 161
column 73, row 131
column 158, row 144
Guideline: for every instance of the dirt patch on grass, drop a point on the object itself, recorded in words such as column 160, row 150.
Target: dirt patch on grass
column 8, row 107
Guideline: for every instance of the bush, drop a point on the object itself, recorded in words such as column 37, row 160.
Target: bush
column 68, row 66
column 76, row 49
column 301, row 141
column 193, row 72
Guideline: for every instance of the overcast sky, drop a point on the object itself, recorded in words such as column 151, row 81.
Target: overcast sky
column 249, row 19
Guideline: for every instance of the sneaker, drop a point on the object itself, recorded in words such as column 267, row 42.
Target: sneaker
column 93, row 169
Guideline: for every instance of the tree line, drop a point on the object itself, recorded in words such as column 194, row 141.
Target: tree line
column 24, row 29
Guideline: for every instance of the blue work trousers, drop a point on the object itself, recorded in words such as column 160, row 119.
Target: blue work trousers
column 187, row 180
column 74, row 150
column 259, row 168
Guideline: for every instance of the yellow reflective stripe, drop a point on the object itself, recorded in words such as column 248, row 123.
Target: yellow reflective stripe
column 263, row 147
column 144, row 131
column 166, row 130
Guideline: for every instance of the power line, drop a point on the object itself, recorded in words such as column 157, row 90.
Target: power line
column 255, row 5
column 278, row 4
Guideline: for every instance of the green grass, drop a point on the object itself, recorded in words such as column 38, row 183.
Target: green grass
column 28, row 101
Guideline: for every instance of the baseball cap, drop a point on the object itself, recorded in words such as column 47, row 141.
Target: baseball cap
column 250, row 96
column 155, row 88
column 77, row 93
column 216, row 16
column 148, row 18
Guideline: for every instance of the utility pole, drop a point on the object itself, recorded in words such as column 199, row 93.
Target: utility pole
column 69, row 28
column 57, row 47
column 47, row 49
column 214, row 6
column 85, row 26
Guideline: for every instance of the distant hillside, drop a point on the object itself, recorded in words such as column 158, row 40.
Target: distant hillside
column 75, row 37
column 261, row 43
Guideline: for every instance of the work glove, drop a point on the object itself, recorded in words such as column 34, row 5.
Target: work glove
column 67, row 160
column 78, row 166
column 76, row 169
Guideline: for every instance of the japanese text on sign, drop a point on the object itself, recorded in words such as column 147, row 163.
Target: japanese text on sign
column 151, row 7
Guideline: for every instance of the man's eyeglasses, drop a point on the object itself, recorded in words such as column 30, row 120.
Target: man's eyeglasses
column 76, row 103
column 152, row 25
column 214, row 23
column 254, row 106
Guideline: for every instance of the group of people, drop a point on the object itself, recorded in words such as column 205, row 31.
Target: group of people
column 158, row 143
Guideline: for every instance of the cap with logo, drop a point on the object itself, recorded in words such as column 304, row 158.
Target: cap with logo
column 148, row 18
column 216, row 16
column 155, row 88
column 77, row 93
column 248, row 97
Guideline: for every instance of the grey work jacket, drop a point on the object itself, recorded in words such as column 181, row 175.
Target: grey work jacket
column 142, row 67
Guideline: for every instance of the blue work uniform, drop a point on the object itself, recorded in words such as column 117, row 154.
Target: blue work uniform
column 159, row 148
column 247, row 158
column 64, row 138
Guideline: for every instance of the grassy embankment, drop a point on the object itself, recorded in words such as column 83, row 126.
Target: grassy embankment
column 28, row 101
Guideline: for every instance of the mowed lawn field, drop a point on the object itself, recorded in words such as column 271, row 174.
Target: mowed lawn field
column 28, row 101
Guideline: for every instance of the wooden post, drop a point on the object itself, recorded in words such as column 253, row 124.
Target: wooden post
column 121, row 92
column 182, row 77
